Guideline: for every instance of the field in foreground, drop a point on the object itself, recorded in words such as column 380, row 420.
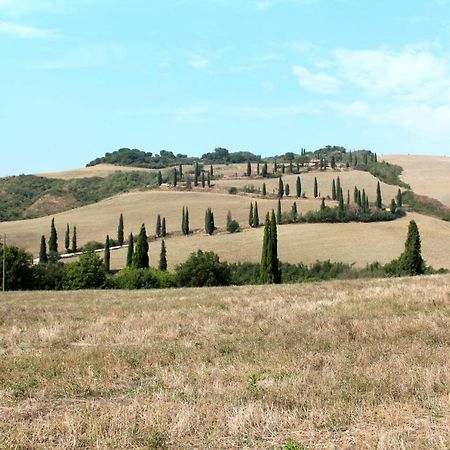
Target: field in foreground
column 349, row 365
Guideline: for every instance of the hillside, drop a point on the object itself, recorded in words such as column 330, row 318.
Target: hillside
column 427, row 175
column 357, row 365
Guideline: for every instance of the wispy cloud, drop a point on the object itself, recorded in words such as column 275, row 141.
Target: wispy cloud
column 197, row 61
column 27, row 32
column 24, row 7
column 317, row 82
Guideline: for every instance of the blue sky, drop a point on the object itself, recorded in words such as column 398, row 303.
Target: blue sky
column 79, row 78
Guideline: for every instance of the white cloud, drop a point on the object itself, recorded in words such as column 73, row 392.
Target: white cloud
column 27, row 32
column 317, row 82
column 23, row 7
column 198, row 61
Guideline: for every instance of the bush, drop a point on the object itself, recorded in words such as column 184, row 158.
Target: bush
column 48, row 277
column 203, row 269
column 233, row 226
column 19, row 275
column 232, row 190
column 132, row 278
column 87, row 273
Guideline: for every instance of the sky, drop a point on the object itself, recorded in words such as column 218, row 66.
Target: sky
column 79, row 78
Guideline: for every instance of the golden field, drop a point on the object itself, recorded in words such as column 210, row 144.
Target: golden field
column 344, row 364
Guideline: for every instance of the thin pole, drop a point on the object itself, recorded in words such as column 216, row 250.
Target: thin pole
column 4, row 263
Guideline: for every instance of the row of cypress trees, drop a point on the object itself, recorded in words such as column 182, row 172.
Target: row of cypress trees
column 52, row 254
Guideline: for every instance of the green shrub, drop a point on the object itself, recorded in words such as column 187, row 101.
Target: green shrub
column 233, row 226
column 232, row 190
column 87, row 273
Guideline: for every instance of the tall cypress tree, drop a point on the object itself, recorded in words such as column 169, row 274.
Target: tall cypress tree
column 53, row 241
column 333, row 162
column 338, row 189
column 280, row 188
column 411, row 261
column 249, row 169
column 163, row 257
column 186, row 226
column 74, row 240
column 175, row 177
column 250, row 215
column 183, row 222
column 333, row 190
column 229, row 218
column 130, row 252
column 159, row 178
column 316, row 188
column 275, row 270
column 211, row 171
column 158, row 226
column 393, row 207
column 43, row 259
column 107, row 257
column 399, row 198
column 287, row 190
column 140, row 257
column 264, row 190
column 208, row 180
column 255, row 216
column 279, row 214
column 367, row 206
column 67, row 238
column 363, row 200
column 379, row 200
column 257, row 168
column 294, row 212
column 180, row 171
column 264, row 271
column 209, row 221
column 298, row 187
column 120, row 231
column 348, row 197
column 355, row 195
column 203, row 179
column 196, row 174
column 265, row 170
column 163, row 228
column 359, row 199
column 341, row 209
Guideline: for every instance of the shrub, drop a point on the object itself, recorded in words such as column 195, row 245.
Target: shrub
column 48, row 277
column 232, row 190
column 87, row 273
column 233, row 226
column 132, row 278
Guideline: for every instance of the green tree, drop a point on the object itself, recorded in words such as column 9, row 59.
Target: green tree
column 257, row 169
column 203, row 179
column 393, row 207
column 208, row 180
column 209, row 221
column 298, row 187
column 43, row 259
column 279, row 213
column 255, row 216
column 333, row 190
column 355, row 195
column 163, row 228
column 158, row 226
column 333, row 162
column 269, row 268
column 88, row 273
column 211, row 171
column 130, row 251
column 53, row 241
column 107, row 257
column 163, row 257
column 287, row 190
column 338, row 188
column 140, row 257
column 264, row 170
column 196, row 174
column 280, row 188
column 264, row 190
column 120, row 231
column 175, row 177
column 316, row 188
column 379, row 200
column 249, row 169
column 74, row 240
column 67, row 238
column 294, row 212
column 341, row 208
column 159, row 178
column 411, row 261
column 229, row 218
column 250, row 215
column 399, row 198
column 18, row 270
column 180, row 171
column 322, row 205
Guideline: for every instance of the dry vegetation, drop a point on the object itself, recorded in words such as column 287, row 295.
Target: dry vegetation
column 427, row 175
column 348, row 365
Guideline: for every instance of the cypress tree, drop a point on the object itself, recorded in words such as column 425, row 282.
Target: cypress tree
column 53, row 241
column 341, row 209
column 257, row 168
column 359, row 199
column 196, row 174
column 229, row 218
column 269, row 268
column 399, row 198
column 249, row 168
column 159, row 178
column 333, row 190
column 67, row 238
column 264, row 273
column 163, row 257
column 393, row 207
column 203, row 179
column 298, row 187
column 338, row 189
column 107, row 258
column 379, row 201
column 186, row 225
column 294, row 211
column 283, row 169
column 158, row 226
column 333, row 162
column 163, row 228
column 255, row 216
column 250, row 215
column 209, row 221
column 348, row 197
column 140, row 257
column 275, row 271
column 175, row 177
column 130, row 252
column 287, row 190
column 291, row 168
column 322, row 205
column 264, row 172
column 43, row 259
column 280, row 188
column 180, row 171
column 367, row 206
column 275, row 166
column 411, row 261
column 363, row 199
column 279, row 215
column 183, row 222
column 211, row 171
column 264, row 190
column 120, row 231
column 355, row 161
column 298, row 167
column 208, row 180
column 355, row 195
column 316, row 188
column 74, row 240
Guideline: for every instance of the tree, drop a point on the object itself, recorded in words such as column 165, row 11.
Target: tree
column 180, row 171
column 257, row 168
column 186, row 223
column 88, row 273
column 333, row 162
column 203, row 269
column 249, row 169
column 18, row 269
column 399, row 198
column 250, row 215
column 264, row 170
column 209, row 221
column 294, row 212
column 264, row 190
column 379, row 200
column 53, row 241
column 163, row 228
column 355, row 195
column 158, row 226
column 140, row 257
column 287, row 190
column 269, row 268
column 338, row 189
column 255, row 216
column 43, row 259
column 341, row 208
column 298, row 187
column 279, row 213
column 120, row 231
column 393, row 207
column 316, row 188
column 196, row 173
column 175, row 177
column 130, row 252
column 229, row 218
column 163, row 257
column 322, row 205
column 280, row 188
column 159, row 178
column 333, row 190
column 67, row 238
column 211, row 171
column 107, row 257
column 74, row 240
column 208, row 180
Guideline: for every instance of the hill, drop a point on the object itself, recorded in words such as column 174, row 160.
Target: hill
column 360, row 364
column 427, row 175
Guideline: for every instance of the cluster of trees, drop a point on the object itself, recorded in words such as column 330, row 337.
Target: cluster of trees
column 222, row 155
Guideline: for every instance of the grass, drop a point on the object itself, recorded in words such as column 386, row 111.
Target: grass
column 361, row 364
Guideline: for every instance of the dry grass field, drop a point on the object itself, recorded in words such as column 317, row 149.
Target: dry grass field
column 427, row 175
column 357, row 243
column 95, row 221
column 348, row 365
